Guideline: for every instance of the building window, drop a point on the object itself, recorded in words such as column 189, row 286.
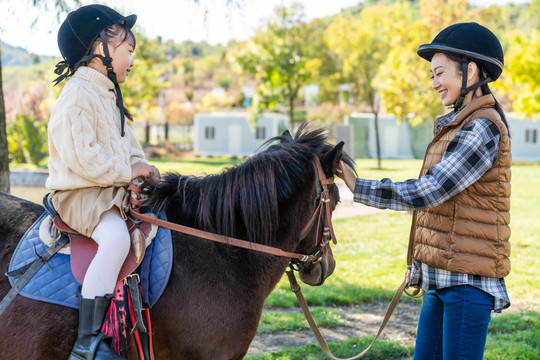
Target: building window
column 209, row 132
column 530, row 136
column 260, row 133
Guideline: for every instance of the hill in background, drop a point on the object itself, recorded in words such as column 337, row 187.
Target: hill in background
column 17, row 56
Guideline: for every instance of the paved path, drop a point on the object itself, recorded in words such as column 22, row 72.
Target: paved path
column 358, row 321
column 347, row 207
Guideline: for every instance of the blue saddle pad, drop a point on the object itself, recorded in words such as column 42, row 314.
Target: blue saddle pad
column 55, row 283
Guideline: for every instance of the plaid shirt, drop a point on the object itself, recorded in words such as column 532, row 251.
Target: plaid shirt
column 468, row 156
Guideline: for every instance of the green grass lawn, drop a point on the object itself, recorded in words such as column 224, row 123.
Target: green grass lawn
column 371, row 261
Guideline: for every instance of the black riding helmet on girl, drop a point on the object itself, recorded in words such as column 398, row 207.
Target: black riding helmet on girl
column 76, row 36
column 471, row 42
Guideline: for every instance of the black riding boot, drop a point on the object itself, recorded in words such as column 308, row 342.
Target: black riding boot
column 90, row 344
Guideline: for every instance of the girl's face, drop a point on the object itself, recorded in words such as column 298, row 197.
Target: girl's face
column 121, row 46
column 447, row 78
column 122, row 62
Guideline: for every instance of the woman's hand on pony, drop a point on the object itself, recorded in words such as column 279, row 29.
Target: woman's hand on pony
column 347, row 174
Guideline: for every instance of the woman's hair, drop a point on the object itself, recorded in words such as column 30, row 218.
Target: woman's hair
column 116, row 35
column 484, row 88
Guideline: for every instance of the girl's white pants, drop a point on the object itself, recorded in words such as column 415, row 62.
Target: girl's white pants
column 114, row 242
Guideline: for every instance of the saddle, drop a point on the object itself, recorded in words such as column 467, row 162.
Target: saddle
column 58, row 281
column 83, row 249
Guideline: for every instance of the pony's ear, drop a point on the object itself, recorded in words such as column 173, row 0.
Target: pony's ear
column 330, row 160
column 286, row 136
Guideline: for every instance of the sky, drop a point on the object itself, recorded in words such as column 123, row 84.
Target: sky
column 215, row 21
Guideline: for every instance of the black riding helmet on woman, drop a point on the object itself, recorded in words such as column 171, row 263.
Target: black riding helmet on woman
column 469, row 42
column 77, row 35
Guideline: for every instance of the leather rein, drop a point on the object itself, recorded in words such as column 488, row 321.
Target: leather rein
column 322, row 212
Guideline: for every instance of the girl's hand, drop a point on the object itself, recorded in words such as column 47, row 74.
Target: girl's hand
column 147, row 171
column 346, row 173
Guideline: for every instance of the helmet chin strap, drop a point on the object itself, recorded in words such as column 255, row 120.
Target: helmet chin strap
column 107, row 61
column 464, row 89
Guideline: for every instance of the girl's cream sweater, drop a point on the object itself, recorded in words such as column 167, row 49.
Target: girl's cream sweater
column 85, row 145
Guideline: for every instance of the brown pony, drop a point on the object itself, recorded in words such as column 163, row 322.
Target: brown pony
column 214, row 299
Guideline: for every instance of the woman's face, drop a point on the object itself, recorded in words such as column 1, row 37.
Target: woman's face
column 445, row 78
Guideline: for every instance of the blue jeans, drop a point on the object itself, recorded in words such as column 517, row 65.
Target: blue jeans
column 453, row 324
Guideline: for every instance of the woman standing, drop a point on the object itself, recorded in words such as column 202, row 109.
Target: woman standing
column 459, row 242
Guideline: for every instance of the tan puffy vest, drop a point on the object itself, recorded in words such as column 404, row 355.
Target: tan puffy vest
column 470, row 232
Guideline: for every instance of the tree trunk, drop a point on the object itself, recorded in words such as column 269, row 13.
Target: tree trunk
column 147, row 133
column 377, row 139
column 4, row 152
column 291, row 114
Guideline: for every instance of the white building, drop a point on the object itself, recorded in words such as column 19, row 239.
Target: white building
column 217, row 134
column 394, row 139
column 525, row 137
column 400, row 141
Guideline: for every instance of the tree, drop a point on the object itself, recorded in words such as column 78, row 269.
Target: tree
column 522, row 73
column 146, row 80
column 322, row 66
column 27, row 139
column 62, row 7
column 404, row 78
column 4, row 151
column 362, row 46
column 275, row 57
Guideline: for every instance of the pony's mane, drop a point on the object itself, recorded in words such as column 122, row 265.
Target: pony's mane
column 243, row 200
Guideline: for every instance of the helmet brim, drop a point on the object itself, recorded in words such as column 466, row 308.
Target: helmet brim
column 494, row 66
column 129, row 21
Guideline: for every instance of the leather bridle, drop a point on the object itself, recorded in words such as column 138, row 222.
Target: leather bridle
column 322, row 214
